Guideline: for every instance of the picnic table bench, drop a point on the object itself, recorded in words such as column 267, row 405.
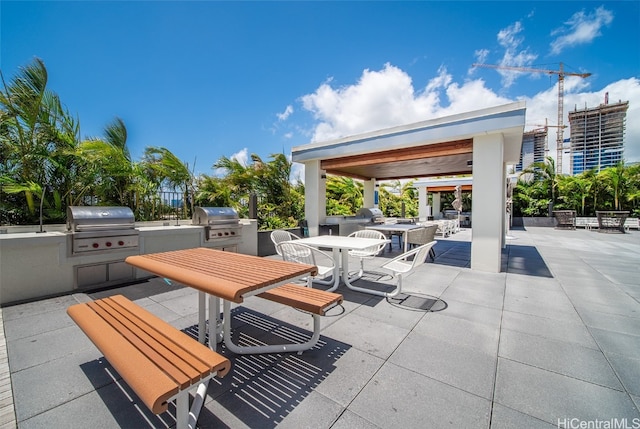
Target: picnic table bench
column 159, row 362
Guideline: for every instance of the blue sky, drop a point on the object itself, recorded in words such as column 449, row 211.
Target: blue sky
column 208, row 79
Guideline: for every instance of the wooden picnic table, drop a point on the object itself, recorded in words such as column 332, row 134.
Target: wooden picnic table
column 229, row 276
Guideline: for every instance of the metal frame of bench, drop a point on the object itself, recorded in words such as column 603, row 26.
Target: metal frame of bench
column 159, row 362
column 315, row 302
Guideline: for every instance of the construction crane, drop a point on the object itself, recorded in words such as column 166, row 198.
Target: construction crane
column 561, row 74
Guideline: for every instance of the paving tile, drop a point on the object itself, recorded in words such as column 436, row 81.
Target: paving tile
column 315, row 411
column 611, row 322
column 368, row 335
column 473, row 294
column 575, row 333
column 473, row 313
column 181, row 304
column 349, row 420
column 36, row 324
column 628, row 370
column 387, row 313
column 557, row 356
column 264, row 390
column 625, row 306
column 77, row 374
column 460, row 332
column 506, row 418
column 636, row 400
column 37, row 307
column 38, row 349
column 397, row 398
column 106, row 408
column 550, row 309
column 466, row 368
column 352, row 369
column 549, row 396
column 617, row 342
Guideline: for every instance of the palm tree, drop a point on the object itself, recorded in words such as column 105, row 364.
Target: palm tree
column 545, row 174
column 347, row 192
column 615, row 179
column 29, row 116
column 168, row 169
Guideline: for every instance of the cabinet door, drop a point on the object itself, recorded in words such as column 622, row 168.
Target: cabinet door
column 120, row 271
column 90, row 275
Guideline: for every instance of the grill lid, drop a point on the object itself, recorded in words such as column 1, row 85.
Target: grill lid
column 212, row 215
column 370, row 212
column 84, row 218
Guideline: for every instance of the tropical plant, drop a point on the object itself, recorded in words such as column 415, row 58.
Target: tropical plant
column 35, row 133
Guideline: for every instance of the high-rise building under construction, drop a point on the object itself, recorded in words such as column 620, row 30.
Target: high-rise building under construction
column 597, row 136
column 534, row 144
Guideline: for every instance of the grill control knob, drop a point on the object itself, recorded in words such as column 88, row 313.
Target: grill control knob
column 120, row 243
column 233, row 233
column 219, row 234
column 108, row 244
column 95, row 245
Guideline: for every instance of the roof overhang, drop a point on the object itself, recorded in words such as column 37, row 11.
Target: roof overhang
column 436, row 147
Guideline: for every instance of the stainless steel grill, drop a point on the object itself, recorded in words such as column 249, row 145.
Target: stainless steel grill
column 221, row 224
column 101, row 229
column 370, row 215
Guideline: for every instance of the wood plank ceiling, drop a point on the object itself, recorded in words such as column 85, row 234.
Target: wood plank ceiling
column 438, row 159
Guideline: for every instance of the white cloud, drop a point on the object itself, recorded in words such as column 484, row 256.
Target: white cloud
column 287, row 112
column 386, row 98
column 514, row 56
column 241, row 156
column 581, row 28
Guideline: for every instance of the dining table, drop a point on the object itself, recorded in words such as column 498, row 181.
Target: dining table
column 340, row 246
column 395, row 228
column 221, row 275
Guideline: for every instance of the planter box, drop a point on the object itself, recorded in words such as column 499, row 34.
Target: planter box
column 534, row 221
column 266, row 246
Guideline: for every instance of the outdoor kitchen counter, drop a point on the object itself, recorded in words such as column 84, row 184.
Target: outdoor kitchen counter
column 37, row 265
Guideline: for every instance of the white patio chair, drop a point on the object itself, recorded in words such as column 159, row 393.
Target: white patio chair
column 280, row 235
column 369, row 252
column 401, row 266
column 301, row 253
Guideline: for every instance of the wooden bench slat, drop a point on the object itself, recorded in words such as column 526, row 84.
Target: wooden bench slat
column 151, row 385
column 146, row 344
column 183, row 359
column 206, row 356
column 315, row 301
column 133, row 341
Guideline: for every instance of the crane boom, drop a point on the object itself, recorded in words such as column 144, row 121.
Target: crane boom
column 532, row 70
column 561, row 74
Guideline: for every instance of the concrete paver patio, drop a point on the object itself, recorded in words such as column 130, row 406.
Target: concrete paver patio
column 552, row 341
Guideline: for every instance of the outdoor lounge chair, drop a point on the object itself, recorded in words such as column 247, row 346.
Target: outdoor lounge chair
column 424, row 235
column 369, row 252
column 280, row 235
column 402, row 266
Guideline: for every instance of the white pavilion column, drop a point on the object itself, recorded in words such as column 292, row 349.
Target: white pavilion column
column 369, row 191
column 436, row 205
column 423, row 200
column 488, row 203
column 315, row 198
